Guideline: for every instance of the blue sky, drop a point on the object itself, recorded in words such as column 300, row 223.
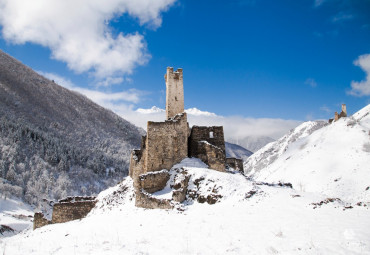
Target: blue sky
column 291, row 60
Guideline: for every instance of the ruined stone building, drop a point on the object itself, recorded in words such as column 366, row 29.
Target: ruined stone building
column 337, row 116
column 166, row 144
column 169, row 142
column 71, row 208
column 208, row 144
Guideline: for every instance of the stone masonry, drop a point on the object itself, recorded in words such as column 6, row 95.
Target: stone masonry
column 39, row 220
column 235, row 163
column 208, row 144
column 165, row 145
column 337, row 116
column 72, row 208
column 168, row 143
column 174, row 92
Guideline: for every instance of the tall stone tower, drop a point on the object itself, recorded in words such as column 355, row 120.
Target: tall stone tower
column 174, row 92
column 344, row 110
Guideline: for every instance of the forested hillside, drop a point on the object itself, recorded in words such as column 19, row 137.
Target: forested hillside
column 54, row 142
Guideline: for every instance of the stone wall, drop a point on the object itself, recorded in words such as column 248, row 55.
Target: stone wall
column 213, row 135
column 166, row 143
column 342, row 114
column 174, row 92
column 71, row 210
column 153, row 181
column 208, row 144
column 212, row 155
column 235, row 163
column 136, row 163
column 145, row 200
column 39, row 220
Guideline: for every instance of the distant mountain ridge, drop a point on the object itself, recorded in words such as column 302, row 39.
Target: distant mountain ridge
column 252, row 143
column 237, row 151
column 52, row 132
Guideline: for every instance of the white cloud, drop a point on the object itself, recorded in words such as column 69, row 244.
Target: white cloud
column 110, row 81
column 124, row 103
column 235, row 127
column 311, row 82
column 152, row 110
column 77, row 32
column 362, row 88
column 106, row 99
column 326, row 109
column 238, row 127
column 197, row 112
column 318, row 3
column 341, row 16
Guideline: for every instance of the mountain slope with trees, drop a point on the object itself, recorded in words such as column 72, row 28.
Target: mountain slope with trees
column 55, row 142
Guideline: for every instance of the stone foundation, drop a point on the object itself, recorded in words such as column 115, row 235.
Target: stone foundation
column 145, row 200
column 153, row 181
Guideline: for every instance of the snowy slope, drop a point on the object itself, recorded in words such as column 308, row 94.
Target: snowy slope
column 333, row 160
column 272, row 151
column 14, row 214
column 249, row 218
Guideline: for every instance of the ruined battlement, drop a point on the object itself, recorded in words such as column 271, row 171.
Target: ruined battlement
column 177, row 75
column 342, row 114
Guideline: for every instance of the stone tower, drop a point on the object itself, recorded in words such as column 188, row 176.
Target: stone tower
column 344, row 110
column 174, row 92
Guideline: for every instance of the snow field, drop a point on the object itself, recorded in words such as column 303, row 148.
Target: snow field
column 273, row 220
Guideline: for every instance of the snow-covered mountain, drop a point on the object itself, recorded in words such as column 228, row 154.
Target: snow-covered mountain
column 236, row 151
column 315, row 157
column 252, row 143
column 55, row 142
column 272, row 151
